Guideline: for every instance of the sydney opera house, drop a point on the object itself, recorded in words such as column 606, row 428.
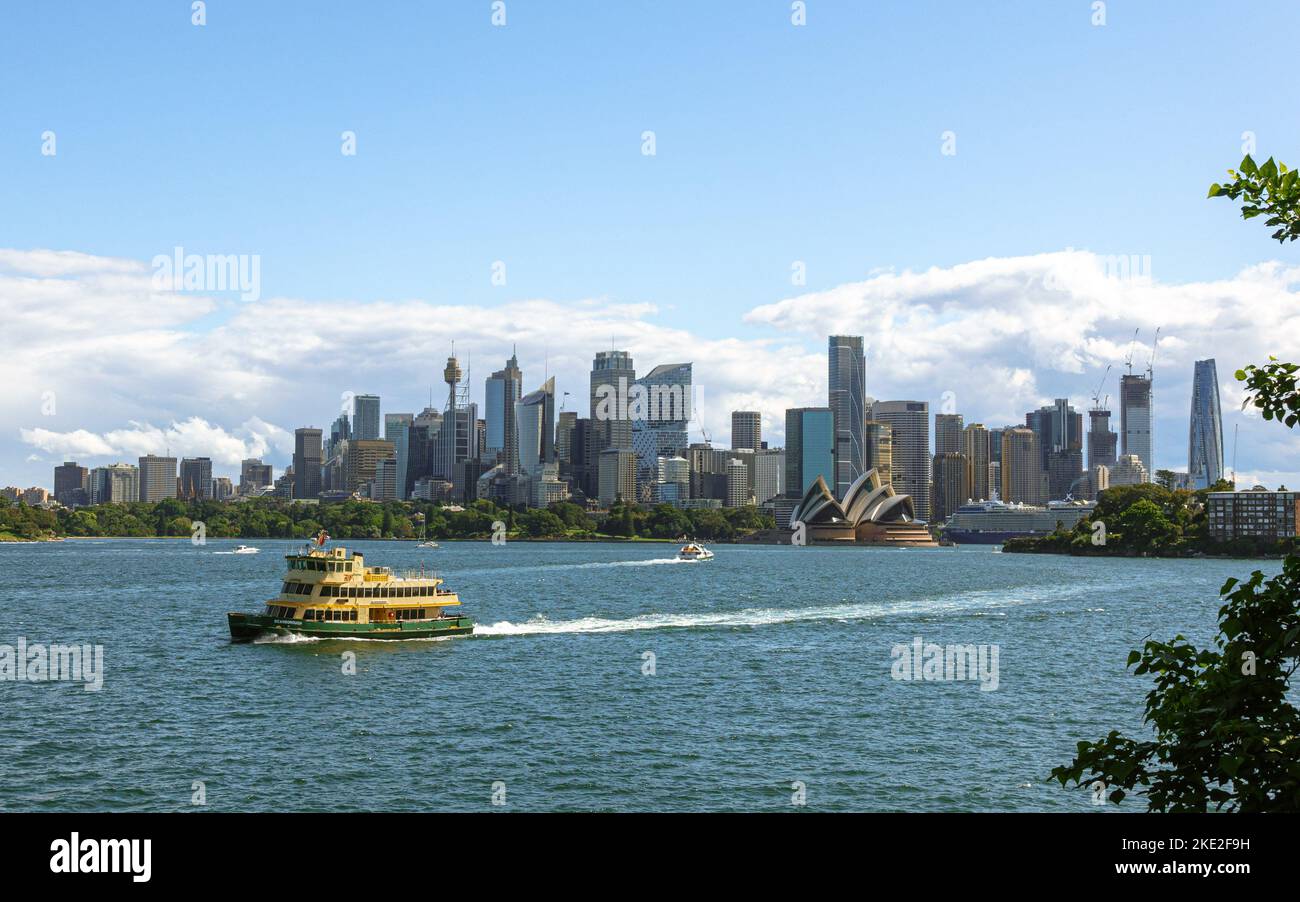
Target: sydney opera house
column 869, row 514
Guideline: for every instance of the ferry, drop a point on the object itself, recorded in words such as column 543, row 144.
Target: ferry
column 993, row 522
column 693, row 551
column 330, row 594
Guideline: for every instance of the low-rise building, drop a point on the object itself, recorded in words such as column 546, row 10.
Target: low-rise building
column 1255, row 513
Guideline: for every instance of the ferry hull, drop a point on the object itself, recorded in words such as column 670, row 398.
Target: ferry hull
column 246, row 627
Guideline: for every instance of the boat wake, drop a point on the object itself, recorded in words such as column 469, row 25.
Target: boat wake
column 968, row 604
column 284, row 639
column 982, row 603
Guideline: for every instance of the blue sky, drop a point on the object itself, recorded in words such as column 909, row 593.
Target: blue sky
column 522, row 144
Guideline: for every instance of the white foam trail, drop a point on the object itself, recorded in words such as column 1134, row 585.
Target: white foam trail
column 983, row 602
column 970, row 603
column 283, row 639
column 591, row 565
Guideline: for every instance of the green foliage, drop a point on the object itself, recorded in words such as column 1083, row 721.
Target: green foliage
column 280, row 518
column 1272, row 388
column 1269, row 190
column 1225, row 735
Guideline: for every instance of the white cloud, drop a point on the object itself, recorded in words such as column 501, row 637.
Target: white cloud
column 231, row 380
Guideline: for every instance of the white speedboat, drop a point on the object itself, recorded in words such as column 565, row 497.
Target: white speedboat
column 693, row 551
column 244, row 549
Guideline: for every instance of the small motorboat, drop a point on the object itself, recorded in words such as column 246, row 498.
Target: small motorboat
column 244, row 549
column 693, row 551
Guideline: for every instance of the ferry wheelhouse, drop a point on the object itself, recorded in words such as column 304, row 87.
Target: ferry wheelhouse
column 328, row 593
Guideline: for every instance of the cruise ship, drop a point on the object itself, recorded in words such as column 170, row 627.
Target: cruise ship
column 993, row 522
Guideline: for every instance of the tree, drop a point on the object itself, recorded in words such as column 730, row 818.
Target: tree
column 1226, row 735
column 1270, row 190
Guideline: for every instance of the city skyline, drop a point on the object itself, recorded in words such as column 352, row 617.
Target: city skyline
column 372, row 409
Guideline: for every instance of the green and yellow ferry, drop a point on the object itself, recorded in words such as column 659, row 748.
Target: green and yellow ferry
column 330, row 594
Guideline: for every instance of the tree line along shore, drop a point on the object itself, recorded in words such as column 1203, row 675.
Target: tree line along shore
column 275, row 518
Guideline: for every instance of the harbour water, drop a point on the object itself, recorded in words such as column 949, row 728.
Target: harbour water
column 601, row 677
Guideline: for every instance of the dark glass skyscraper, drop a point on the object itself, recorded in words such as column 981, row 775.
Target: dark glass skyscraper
column 306, row 463
column 1205, row 436
column 847, row 386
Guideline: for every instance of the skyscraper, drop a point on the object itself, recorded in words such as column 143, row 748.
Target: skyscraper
column 157, row 478
column 397, row 429
column 535, row 416
column 1022, row 467
column 114, row 484
column 878, row 438
column 975, row 442
column 1205, row 435
column 365, row 417
column 1059, row 429
column 951, row 483
column 847, row 396
column 612, row 376
column 71, row 484
column 947, row 433
column 1135, row 421
column 307, row 462
column 910, row 421
column 746, row 429
column 503, row 389
column 660, row 410
column 1102, row 440
column 196, row 478
column 253, row 475
column 809, row 448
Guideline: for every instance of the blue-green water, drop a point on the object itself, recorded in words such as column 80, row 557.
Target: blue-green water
column 771, row 665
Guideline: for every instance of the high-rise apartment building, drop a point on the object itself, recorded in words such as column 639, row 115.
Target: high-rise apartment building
column 1023, row 479
column 975, row 446
column 737, row 483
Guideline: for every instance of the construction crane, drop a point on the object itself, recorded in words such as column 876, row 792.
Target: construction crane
column 1128, row 361
column 1152, row 359
column 1096, row 395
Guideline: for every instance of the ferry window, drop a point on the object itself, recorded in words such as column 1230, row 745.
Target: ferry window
column 352, row 614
